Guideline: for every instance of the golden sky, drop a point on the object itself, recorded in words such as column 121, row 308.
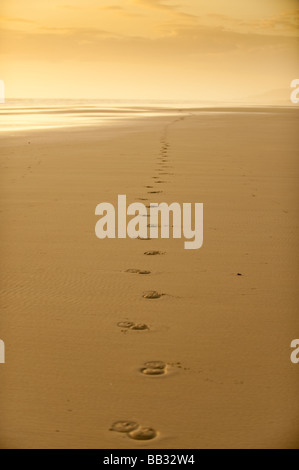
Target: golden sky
column 148, row 49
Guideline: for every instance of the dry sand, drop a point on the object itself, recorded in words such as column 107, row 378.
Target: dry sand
column 71, row 371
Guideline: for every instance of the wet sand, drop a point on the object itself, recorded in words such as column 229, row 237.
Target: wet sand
column 91, row 361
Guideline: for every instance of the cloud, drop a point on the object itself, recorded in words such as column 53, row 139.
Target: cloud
column 173, row 9
column 159, row 4
column 212, row 34
column 70, row 7
column 285, row 23
column 288, row 21
column 121, row 10
column 92, row 34
column 112, row 8
column 180, row 41
column 109, row 7
column 16, row 20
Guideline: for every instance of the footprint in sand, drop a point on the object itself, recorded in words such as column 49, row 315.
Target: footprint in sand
column 139, row 327
column 154, row 253
column 137, row 271
column 125, row 324
column 134, row 430
column 154, row 368
column 143, row 434
column 152, row 294
column 124, row 426
column 132, row 326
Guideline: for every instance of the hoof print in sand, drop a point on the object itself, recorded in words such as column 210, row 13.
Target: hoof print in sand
column 143, row 434
column 152, row 294
column 154, row 368
column 124, row 426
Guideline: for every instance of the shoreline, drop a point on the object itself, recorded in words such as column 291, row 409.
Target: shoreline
column 94, row 116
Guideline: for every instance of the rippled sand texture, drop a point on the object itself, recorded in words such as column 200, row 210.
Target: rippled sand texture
column 140, row 343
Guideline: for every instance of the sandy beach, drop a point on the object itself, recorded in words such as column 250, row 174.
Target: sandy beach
column 70, row 303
